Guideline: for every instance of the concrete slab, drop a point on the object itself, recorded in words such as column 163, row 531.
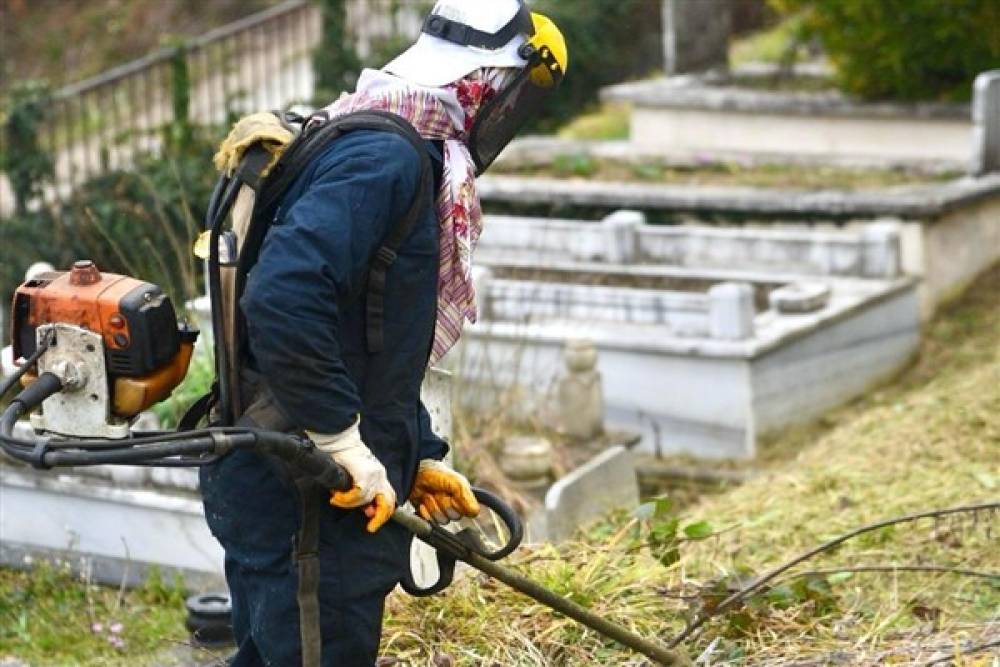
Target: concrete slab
column 694, row 115
column 605, row 483
column 926, row 200
column 949, row 232
column 707, row 396
column 118, row 533
column 541, row 150
column 714, row 93
column 622, row 239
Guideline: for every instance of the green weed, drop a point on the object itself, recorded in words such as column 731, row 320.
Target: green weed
column 49, row 616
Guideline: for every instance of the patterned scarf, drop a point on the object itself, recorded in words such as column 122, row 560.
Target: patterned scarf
column 446, row 114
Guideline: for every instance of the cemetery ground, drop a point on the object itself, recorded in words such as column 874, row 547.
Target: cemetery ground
column 927, row 441
column 724, row 172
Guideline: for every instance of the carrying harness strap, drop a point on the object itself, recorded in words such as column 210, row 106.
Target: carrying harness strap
column 316, row 137
column 263, row 412
column 306, row 555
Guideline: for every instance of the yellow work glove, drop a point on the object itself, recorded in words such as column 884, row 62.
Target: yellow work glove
column 263, row 127
column 371, row 485
column 440, row 494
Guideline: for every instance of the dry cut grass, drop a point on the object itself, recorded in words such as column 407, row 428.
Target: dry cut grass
column 931, row 440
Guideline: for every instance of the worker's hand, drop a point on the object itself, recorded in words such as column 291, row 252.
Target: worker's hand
column 440, row 494
column 371, row 486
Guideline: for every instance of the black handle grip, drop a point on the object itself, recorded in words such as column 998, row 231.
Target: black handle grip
column 302, row 455
column 329, row 475
column 450, row 546
column 446, row 573
column 32, row 396
column 510, row 519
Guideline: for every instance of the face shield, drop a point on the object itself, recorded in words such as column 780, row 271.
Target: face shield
column 501, row 118
column 458, row 40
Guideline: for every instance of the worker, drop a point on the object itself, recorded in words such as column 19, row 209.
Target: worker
column 479, row 70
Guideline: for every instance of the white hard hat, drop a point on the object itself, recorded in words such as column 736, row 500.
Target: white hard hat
column 439, row 60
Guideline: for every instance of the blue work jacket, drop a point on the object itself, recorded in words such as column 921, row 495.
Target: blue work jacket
column 304, row 302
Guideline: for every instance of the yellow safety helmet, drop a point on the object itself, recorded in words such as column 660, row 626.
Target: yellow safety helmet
column 545, row 52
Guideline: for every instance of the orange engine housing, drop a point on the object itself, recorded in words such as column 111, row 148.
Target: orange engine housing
column 146, row 353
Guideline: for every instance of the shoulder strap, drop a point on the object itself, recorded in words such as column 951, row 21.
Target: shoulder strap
column 386, row 254
column 314, row 139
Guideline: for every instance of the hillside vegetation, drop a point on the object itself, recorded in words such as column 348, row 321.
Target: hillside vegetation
column 929, row 441
column 67, row 40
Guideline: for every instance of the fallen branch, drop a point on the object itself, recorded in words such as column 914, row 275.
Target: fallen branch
column 966, row 652
column 897, row 568
column 754, row 586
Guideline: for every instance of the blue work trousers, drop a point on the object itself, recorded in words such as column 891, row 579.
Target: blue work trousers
column 252, row 508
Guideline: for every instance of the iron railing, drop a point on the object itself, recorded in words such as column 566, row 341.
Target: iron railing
column 260, row 62
column 107, row 121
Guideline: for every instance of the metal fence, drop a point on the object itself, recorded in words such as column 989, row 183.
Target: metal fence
column 106, row 122
column 261, row 62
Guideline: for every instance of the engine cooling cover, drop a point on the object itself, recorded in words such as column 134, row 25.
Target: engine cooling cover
column 133, row 329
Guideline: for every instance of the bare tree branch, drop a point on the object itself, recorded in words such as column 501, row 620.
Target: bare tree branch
column 757, row 583
column 897, row 568
column 965, row 652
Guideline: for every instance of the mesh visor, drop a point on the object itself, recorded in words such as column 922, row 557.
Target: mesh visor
column 503, row 116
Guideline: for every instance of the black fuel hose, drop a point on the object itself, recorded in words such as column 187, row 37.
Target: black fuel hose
column 27, row 365
column 161, row 448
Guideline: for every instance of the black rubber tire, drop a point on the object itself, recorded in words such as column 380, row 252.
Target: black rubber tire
column 209, row 619
column 210, row 605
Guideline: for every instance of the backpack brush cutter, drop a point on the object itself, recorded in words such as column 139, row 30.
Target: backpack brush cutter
column 98, row 348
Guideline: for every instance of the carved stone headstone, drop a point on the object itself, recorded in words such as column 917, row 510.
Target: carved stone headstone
column 986, row 123
column 481, row 279
column 621, row 231
column 435, row 392
column 882, row 256
column 581, row 399
column 527, row 461
column 604, row 483
column 696, row 35
column 731, row 311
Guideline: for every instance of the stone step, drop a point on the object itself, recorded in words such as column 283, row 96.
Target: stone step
column 623, row 240
column 909, row 201
column 692, row 115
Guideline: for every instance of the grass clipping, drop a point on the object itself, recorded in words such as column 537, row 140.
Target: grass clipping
column 931, row 440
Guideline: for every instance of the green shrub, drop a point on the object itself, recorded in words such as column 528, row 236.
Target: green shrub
column 335, row 60
column 904, row 49
column 141, row 221
column 27, row 164
column 197, row 383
